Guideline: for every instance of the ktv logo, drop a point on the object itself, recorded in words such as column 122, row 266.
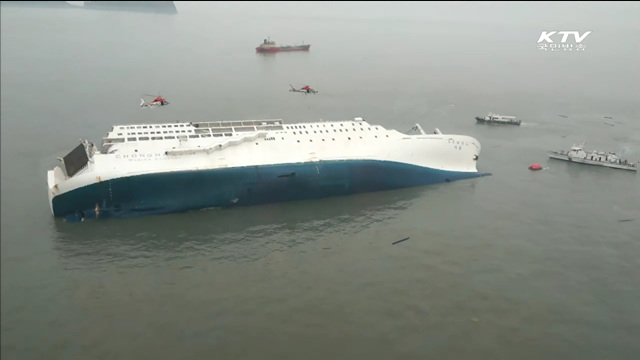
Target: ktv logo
column 546, row 40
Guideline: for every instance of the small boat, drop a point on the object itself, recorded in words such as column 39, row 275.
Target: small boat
column 270, row 46
column 577, row 154
column 492, row 118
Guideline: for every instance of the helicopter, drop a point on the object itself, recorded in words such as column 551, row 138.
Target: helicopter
column 305, row 89
column 157, row 101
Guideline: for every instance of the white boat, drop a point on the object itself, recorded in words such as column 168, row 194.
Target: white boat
column 146, row 169
column 492, row 118
column 577, row 154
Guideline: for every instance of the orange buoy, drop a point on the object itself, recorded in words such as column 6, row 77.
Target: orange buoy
column 535, row 167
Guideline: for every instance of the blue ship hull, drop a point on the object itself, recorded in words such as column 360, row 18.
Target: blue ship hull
column 174, row 192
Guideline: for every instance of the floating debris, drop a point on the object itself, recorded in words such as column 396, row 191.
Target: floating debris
column 608, row 117
column 623, row 220
column 610, row 124
column 563, row 116
column 399, row 241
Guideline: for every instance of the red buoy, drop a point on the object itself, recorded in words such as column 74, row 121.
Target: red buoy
column 535, row 167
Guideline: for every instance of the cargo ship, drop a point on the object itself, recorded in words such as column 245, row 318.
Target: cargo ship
column 270, row 46
column 152, row 169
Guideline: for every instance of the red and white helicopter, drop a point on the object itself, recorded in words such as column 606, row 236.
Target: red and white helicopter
column 157, row 101
column 305, row 89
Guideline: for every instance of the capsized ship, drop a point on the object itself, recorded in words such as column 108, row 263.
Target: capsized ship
column 270, row 46
column 148, row 169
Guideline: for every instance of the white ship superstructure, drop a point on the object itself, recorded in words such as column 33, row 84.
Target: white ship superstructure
column 160, row 168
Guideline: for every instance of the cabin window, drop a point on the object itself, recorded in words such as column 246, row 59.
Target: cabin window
column 206, row 135
column 131, row 139
column 169, row 137
column 156, row 138
column 194, row 136
column 143, row 138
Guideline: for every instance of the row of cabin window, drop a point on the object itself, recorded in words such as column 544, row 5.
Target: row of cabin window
column 152, row 126
column 183, row 125
column 144, row 138
column 157, row 132
column 333, row 139
column 318, row 126
column 334, row 130
column 288, row 127
column 174, row 137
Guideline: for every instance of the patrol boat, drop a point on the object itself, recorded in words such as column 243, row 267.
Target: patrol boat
column 148, row 169
column 577, row 154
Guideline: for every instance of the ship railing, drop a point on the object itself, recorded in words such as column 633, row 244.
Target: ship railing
column 218, row 146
